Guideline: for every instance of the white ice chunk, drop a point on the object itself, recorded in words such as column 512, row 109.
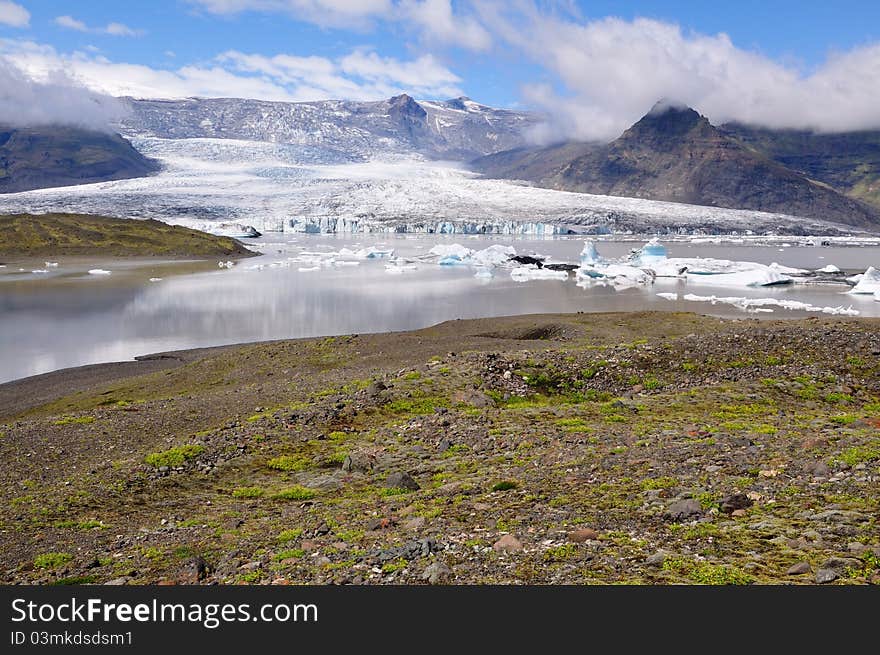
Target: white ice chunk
column 308, row 269
column 651, row 253
column 530, row 272
column 155, row 279
column 669, row 296
column 755, row 278
column 374, row 253
column 787, row 270
column 760, row 304
column 495, row 255
column 869, row 282
column 40, row 270
column 98, row 271
column 830, row 268
column 618, row 273
column 589, row 254
column 451, row 252
column 51, row 264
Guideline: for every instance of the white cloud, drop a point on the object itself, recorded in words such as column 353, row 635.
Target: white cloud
column 71, row 23
column 435, row 20
column 327, row 13
column 360, row 75
column 439, row 24
column 113, row 29
column 56, row 99
column 119, row 29
column 13, row 14
column 609, row 72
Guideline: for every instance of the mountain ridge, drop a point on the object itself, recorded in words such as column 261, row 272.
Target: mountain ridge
column 675, row 154
column 54, row 156
column 457, row 129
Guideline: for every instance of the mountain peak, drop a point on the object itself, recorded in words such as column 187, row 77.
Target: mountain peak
column 668, row 118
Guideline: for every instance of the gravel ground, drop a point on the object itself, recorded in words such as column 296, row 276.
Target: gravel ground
column 641, row 448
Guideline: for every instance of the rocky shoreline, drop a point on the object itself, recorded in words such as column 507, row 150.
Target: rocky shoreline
column 639, row 448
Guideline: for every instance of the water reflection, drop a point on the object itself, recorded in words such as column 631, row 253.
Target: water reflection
column 51, row 324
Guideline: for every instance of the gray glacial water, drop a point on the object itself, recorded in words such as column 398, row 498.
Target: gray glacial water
column 67, row 318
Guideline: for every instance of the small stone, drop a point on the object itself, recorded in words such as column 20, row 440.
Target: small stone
column 309, row 546
column 445, row 445
column 401, row 480
column 817, row 469
column 507, row 544
column 734, row 502
column 357, row 463
column 799, row 569
column 194, row 570
column 824, row 576
column 415, row 523
column 683, row 510
column 738, row 512
column 656, row 560
column 436, row 572
column 582, row 535
column 116, row 582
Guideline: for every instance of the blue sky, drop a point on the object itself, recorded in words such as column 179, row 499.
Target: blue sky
column 595, row 65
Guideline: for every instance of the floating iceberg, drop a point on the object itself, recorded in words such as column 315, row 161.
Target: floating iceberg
column 155, row 279
column 763, row 305
column 787, row 270
column 40, row 270
column 651, row 253
column 759, row 277
column 668, row 296
column 51, row 264
column 530, row 272
column 589, row 254
column 455, row 250
column 234, row 230
column 373, row 253
column 830, row 268
column 98, row 271
column 496, row 255
column 868, row 282
column 226, row 264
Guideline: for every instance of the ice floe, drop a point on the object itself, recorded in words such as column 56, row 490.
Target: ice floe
column 867, row 282
column 532, row 272
column 763, row 305
column 99, row 271
column 830, row 268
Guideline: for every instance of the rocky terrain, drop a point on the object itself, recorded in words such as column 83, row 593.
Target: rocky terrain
column 53, row 235
column 675, row 154
column 644, row 448
column 55, row 156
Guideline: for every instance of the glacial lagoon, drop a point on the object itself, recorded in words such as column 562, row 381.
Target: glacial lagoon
column 300, row 286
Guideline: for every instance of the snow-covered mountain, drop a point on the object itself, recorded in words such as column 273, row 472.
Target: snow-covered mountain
column 343, row 131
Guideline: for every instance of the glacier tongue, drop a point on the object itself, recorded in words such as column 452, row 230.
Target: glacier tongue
column 278, row 187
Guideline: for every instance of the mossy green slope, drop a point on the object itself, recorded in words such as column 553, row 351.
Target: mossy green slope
column 87, row 235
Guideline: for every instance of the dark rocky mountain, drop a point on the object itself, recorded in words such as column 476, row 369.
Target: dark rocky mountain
column 848, row 161
column 458, row 129
column 53, row 156
column 675, row 154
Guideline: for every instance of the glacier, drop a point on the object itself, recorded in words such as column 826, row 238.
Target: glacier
column 300, row 188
